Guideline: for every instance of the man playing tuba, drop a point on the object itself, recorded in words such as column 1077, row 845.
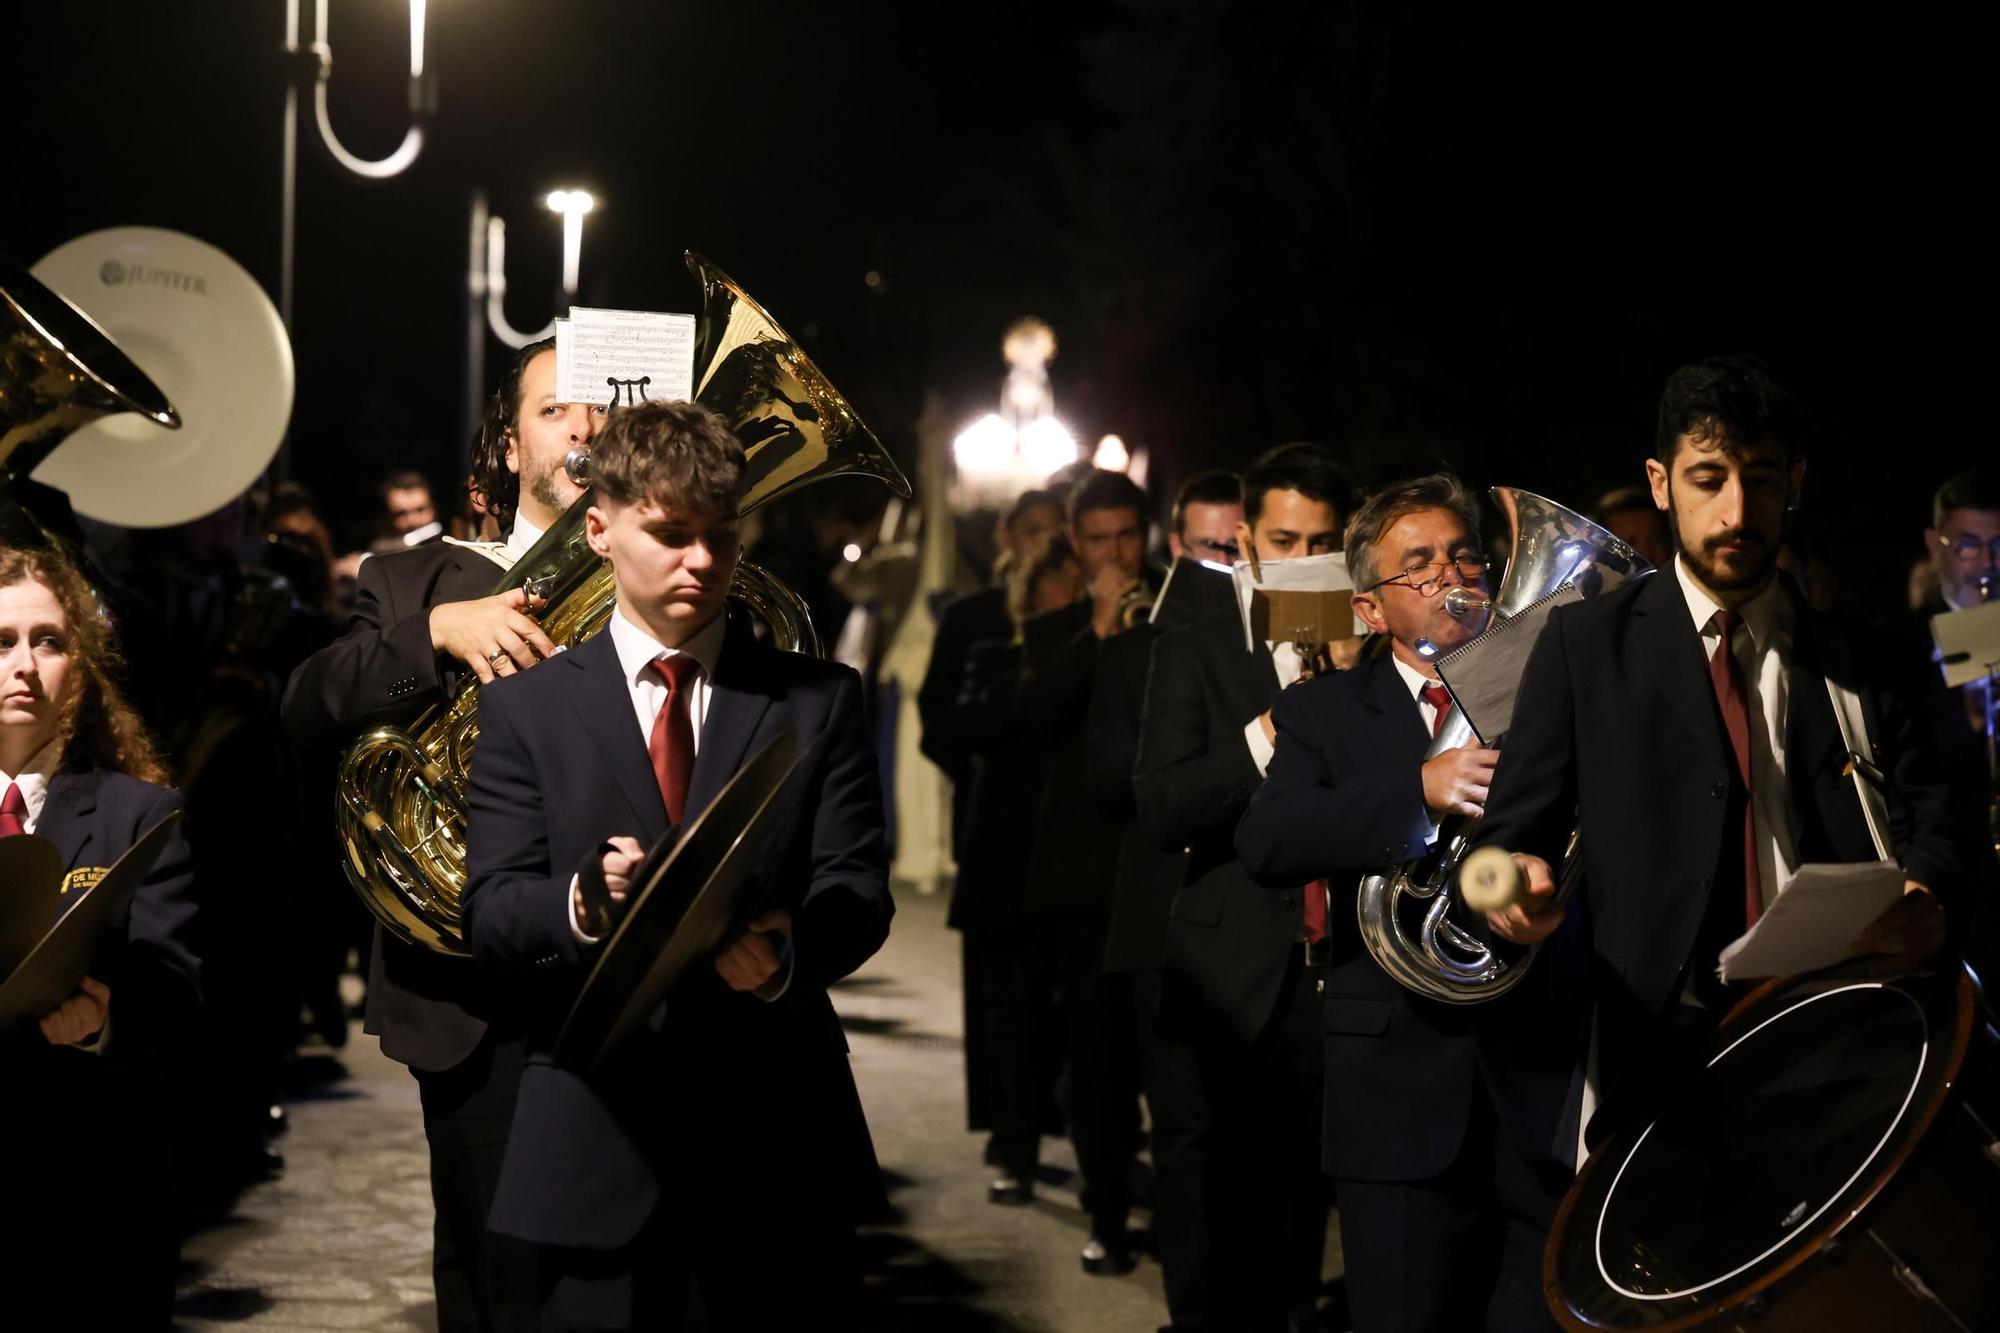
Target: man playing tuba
column 423, row 619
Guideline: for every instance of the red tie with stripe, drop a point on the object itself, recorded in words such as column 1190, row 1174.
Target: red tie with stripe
column 1726, row 676
column 13, row 812
column 1439, row 698
column 671, row 746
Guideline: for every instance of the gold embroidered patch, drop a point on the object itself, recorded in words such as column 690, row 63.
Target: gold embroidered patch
column 84, row 877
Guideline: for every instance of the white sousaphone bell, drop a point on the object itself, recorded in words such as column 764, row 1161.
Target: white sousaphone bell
column 201, row 328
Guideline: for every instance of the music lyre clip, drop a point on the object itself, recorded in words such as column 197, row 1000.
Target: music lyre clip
column 635, row 390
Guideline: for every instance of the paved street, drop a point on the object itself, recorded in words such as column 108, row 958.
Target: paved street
column 342, row 1240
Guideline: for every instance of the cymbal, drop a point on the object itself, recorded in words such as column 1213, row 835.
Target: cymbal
column 202, row 329
column 692, row 896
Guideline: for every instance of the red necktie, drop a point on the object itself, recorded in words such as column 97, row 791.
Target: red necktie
column 1730, row 696
column 1439, row 698
column 1313, row 926
column 671, row 746
column 13, row 812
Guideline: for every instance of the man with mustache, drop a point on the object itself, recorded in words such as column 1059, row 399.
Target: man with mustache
column 423, row 618
column 1683, row 722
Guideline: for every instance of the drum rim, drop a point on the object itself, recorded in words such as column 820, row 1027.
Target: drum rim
column 1808, row 1242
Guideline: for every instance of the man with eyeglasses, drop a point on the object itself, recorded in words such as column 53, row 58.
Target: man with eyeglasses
column 1445, row 1195
column 1240, row 969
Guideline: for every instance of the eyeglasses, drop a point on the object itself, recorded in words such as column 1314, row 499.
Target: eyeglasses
column 1226, row 550
column 1470, row 569
column 1970, row 547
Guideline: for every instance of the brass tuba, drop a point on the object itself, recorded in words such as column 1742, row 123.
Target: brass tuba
column 58, row 373
column 401, row 799
column 1552, row 549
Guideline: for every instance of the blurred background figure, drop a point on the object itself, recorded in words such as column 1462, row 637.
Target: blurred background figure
column 1629, row 513
column 409, row 513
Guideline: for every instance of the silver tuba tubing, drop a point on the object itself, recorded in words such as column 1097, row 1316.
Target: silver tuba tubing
column 1405, row 913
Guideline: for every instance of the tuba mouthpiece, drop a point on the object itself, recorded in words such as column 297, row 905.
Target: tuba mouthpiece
column 1462, row 602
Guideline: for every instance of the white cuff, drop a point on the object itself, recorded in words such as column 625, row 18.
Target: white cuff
column 1261, row 749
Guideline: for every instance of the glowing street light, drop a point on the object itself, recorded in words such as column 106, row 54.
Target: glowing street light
column 1111, row 455
column 572, row 204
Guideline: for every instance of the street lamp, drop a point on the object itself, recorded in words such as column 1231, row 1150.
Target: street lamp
column 487, row 275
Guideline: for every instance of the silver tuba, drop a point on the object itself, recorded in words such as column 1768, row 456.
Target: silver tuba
column 1405, row 914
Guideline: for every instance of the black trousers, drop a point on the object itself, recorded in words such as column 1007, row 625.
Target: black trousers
column 484, row 1281
column 1170, row 1075
column 1267, row 1198
column 1458, row 1252
column 974, row 990
column 1066, row 955
column 713, row 1260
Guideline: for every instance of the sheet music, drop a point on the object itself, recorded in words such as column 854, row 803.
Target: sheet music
column 1306, row 573
column 1814, row 921
column 594, row 347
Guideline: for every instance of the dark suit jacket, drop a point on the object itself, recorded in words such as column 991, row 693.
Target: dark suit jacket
column 147, row 954
column 952, row 736
column 1344, row 797
column 429, row 1010
column 726, row 1087
column 1009, row 765
column 1228, row 939
column 1076, row 849
column 1617, row 732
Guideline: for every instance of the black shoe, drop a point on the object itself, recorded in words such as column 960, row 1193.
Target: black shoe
column 1010, row 1191
column 1101, row 1259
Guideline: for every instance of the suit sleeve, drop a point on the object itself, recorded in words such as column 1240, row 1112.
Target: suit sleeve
column 1532, row 805
column 1111, row 738
column 942, row 741
column 381, row 668
column 517, row 905
column 155, row 977
column 1059, row 660
column 843, row 917
column 1313, row 815
column 1184, row 789
column 1923, row 830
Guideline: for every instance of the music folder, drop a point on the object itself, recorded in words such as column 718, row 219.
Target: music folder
column 55, row 945
column 1968, row 643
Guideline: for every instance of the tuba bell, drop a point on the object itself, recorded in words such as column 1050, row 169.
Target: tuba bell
column 58, row 373
column 401, row 795
column 1405, row 913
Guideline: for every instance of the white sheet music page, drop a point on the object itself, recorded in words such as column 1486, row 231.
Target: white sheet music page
column 594, row 347
column 1814, row 921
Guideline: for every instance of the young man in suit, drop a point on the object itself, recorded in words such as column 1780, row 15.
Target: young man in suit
column 1682, row 722
column 725, row 1144
column 1075, row 857
column 423, row 618
column 1202, row 526
column 1239, row 969
column 1445, row 1171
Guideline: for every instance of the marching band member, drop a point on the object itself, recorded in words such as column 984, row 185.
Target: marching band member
column 96, row 1237
column 1444, row 1169
column 1682, row 723
column 723, row 1153
column 424, row 617
column 1239, row 972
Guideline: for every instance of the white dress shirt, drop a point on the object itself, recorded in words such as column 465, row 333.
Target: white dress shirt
column 1414, row 681
column 638, row 650
column 523, row 537
column 1285, row 658
column 1763, row 654
column 33, row 780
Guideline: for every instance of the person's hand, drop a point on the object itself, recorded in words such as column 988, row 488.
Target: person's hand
column 1533, row 918
column 474, row 632
column 754, row 957
column 1264, row 723
column 620, row 864
column 1107, row 593
column 1905, row 937
column 1455, row 783
column 80, row 1017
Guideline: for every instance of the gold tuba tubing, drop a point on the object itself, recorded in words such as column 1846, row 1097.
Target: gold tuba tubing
column 1405, row 913
column 400, row 804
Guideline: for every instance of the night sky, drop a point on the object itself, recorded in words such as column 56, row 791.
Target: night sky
column 1478, row 236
